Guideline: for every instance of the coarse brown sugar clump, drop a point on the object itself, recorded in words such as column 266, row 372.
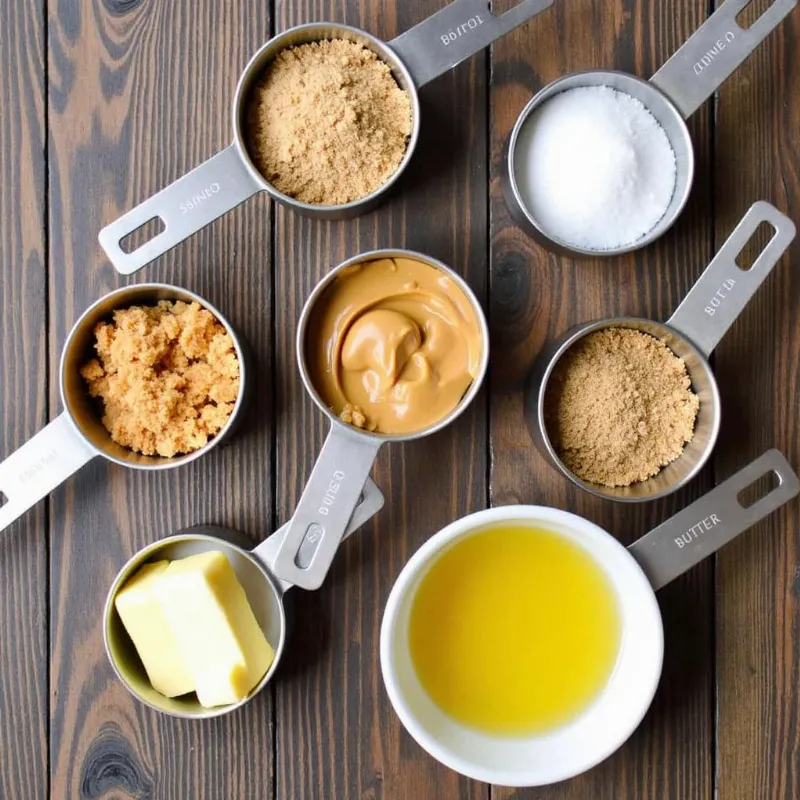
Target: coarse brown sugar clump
column 355, row 416
column 327, row 123
column 167, row 375
column 620, row 407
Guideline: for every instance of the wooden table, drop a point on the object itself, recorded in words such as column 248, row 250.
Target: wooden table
column 102, row 103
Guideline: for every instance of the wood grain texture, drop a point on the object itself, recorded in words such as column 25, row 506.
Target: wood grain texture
column 758, row 367
column 105, row 102
column 535, row 295
column 337, row 734
column 140, row 93
column 23, row 396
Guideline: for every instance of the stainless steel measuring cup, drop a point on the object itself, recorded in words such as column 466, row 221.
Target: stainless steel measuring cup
column 348, row 454
column 416, row 57
column 78, row 435
column 635, row 572
column 264, row 590
column 674, row 93
column 692, row 333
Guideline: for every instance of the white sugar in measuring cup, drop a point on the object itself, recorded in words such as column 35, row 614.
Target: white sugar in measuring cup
column 416, row 57
column 635, row 573
column 255, row 571
column 674, row 93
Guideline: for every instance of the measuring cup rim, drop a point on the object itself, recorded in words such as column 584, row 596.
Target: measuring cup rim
column 427, row 554
column 248, row 77
column 155, row 287
column 557, row 245
column 374, row 255
column 141, row 557
column 560, row 348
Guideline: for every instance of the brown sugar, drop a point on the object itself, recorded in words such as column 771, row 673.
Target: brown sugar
column 620, row 407
column 327, row 123
column 355, row 416
column 167, row 375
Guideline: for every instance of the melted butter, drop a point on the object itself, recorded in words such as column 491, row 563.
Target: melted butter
column 397, row 339
column 514, row 630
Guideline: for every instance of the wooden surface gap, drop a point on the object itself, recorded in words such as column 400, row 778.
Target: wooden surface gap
column 53, row 409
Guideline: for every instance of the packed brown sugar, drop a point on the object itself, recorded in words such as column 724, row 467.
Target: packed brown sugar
column 327, row 123
column 620, row 407
column 393, row 345
column 167, row 376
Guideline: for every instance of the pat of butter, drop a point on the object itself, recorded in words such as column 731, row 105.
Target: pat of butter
column 147, row 626
column 221, row 644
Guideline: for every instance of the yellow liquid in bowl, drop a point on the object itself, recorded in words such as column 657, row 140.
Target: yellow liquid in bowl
column 514, row 630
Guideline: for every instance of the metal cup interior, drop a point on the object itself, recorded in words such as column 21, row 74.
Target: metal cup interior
column 695, row 454
column 83, row 409
column 263, row 594
column 317, row 295
column 314, row 32
column 668, row 117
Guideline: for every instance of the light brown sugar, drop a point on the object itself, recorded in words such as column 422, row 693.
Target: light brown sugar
column 620, row 407
column 327, row 123
column 167, row 376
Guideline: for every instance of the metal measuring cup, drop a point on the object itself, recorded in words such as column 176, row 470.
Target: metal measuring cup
column 264, row 590
column 416, row 57
column 348, row 454
column 692, row 333
column 674, row 93
column 77, row 435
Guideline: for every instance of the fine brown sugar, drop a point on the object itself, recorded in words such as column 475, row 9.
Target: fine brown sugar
column 327, row 123
column 620, row 407
column 167, row 375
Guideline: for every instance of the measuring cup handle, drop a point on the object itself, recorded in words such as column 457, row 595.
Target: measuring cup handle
column 723, row 290
column 41, row 464
column 458, row 31
column 369, row 504
column 325, row 508
column 713, row 52
column 184, row 207
column 712, row 521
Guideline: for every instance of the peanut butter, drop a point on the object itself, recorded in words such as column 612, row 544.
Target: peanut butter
column 393, row 345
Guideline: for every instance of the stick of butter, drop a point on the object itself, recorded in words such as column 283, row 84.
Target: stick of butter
column 220, row 642
column 150, row 632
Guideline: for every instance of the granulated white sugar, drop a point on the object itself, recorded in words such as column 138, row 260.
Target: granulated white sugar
column 594, row 168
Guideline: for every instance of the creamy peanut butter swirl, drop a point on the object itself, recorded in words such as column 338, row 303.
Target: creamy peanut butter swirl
column 393, row 345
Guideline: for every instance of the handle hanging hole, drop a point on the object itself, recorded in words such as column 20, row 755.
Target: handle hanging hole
column 309, row 546
column 142, row 235
column 755, row 245
column 3, row 499
column 752, row 12
column 759, row 489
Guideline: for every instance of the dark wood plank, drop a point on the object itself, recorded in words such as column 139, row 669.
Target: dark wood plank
column 758, row 369
column 23, row 396
column 139, row 94
column 535, row 295
column 337, row 734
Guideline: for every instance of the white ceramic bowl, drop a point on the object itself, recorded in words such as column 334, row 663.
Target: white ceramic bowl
column 540, row 759
column 660, row 556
